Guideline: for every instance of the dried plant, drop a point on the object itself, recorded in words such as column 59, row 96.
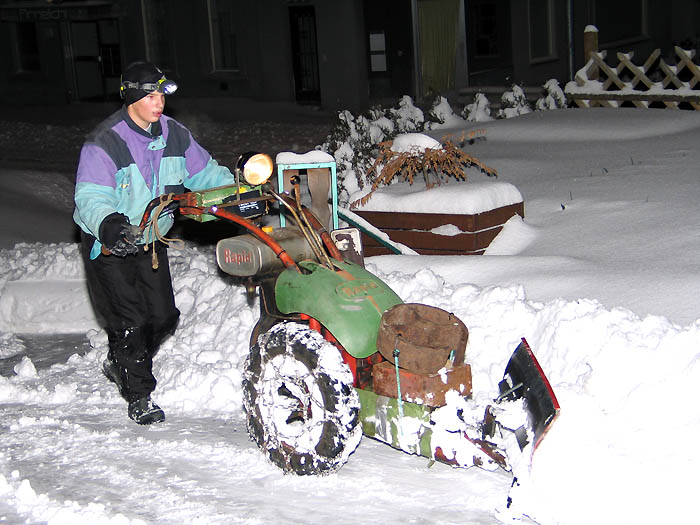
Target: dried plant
column 435, row 165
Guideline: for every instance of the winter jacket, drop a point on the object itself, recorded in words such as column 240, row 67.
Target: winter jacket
column 123, row 167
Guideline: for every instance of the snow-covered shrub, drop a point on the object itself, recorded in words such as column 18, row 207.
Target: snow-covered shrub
column 441, row 115
column 362, row 146
column 354, row 141
column 479, row 110
column 513, row 103
column 554, row 96
column 407, row 117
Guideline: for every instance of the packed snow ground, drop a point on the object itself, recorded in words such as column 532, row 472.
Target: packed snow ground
column 601, row 278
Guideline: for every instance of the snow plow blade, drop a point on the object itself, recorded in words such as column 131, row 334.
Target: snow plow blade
column 525, row 379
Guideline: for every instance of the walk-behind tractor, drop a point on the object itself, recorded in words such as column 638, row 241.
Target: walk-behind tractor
column 336, row 353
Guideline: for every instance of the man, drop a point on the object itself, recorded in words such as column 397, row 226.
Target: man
column 136, row 154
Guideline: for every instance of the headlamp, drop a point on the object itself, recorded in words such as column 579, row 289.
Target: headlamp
column 256, row 167
column 165, row 86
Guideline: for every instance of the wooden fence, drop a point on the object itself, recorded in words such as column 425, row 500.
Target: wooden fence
column 654, row 83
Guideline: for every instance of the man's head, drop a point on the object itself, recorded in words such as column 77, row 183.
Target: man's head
column 142, row 78
column 143, row 89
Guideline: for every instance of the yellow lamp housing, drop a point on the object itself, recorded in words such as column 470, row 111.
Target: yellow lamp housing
column 257, row 168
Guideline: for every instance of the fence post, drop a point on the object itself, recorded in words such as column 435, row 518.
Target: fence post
column 590, row 45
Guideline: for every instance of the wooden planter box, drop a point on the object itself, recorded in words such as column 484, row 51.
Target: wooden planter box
column 413, row 230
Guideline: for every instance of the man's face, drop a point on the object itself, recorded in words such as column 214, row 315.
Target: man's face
column 147, row 110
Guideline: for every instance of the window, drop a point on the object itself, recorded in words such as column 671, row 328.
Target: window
column 26, row 47
column 222, row 36
column 622, row 20
column 377, row 52
column 540, row 13
column 157, row 33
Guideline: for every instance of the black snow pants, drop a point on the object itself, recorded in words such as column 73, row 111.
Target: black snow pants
column 137, row 306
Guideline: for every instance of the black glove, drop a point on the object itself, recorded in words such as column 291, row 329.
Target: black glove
column 118, row 235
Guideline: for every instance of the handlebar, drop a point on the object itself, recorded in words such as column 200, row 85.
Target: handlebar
column 190, row 204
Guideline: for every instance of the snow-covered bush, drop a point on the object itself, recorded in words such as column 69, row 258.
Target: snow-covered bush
column 354, row 141
column 554, row 96
column 362, row 146
column 441, row 115
column 513, row 103
column 479, row 110
column 407, row 116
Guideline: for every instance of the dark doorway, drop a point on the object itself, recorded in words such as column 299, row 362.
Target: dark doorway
column 390, row 48
column 489, row 52
column 305, row 54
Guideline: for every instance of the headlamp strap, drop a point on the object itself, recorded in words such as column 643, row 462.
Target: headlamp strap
column 163, row 85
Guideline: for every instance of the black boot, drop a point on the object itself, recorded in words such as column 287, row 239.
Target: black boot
column 145, row 412
column 115, row 373
column 129, row 365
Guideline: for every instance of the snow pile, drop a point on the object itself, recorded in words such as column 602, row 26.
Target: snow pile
column 204, row 365
column 616, row 376
column 414, row 143
column 515, row 237
column 56, row 275
column 455, row 197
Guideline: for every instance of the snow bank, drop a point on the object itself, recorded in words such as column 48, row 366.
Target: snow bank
column 43, row 291
column 620, row 380
column 592, row 126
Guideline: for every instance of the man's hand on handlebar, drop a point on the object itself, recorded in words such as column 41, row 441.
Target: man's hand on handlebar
column 119, row 236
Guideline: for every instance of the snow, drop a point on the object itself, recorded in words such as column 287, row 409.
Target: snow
column 413, row 143
column 467, row 198
column 479, row 110
column 601, row 277
column 311, row 157
column 444, row 115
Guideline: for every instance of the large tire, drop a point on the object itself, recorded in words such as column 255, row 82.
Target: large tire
column 302, row 410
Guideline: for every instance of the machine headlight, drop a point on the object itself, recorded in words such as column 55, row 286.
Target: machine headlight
column 256, row 167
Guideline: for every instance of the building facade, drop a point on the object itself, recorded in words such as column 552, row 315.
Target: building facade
column 339, row 54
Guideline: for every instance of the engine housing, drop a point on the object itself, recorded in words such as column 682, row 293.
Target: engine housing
column 247, row 256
